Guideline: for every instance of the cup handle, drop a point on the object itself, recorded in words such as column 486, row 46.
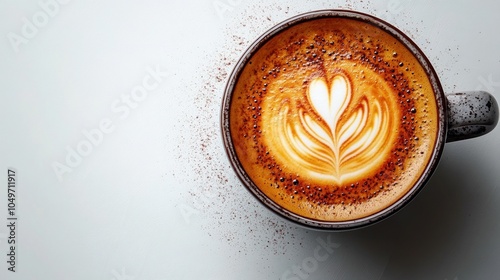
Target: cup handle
column 470, row 114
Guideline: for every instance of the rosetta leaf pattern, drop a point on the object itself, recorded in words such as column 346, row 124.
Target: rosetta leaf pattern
column 339, row 140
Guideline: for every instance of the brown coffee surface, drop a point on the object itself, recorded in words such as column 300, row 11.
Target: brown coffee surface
column 333, row 119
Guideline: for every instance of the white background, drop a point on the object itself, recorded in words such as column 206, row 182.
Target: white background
column 156, row 199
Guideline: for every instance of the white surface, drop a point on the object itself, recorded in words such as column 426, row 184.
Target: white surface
column 156, row 199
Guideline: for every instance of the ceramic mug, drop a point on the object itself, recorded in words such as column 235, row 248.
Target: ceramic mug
column 459, row 116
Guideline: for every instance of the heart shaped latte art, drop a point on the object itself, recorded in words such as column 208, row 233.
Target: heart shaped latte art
column 339, row 136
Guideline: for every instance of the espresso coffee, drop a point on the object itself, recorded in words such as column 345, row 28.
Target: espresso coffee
column 333, row 119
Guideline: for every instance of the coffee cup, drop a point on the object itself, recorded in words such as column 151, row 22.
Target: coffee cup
column 335, row 119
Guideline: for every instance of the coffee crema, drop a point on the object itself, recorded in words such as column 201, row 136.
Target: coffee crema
column 333, row 119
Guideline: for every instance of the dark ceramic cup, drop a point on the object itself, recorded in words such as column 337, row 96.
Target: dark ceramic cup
column 460, row 115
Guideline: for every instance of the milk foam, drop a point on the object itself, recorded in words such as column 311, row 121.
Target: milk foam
column 338, row 140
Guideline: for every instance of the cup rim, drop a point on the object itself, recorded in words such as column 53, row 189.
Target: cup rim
column 335, row 225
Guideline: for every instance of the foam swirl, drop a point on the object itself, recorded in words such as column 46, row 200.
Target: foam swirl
column 343, row 138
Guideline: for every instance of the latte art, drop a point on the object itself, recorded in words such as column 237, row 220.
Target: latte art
column 340, row 140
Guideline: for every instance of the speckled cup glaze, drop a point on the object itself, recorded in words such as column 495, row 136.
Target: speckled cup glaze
column 470, row 114
column 461, row 116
